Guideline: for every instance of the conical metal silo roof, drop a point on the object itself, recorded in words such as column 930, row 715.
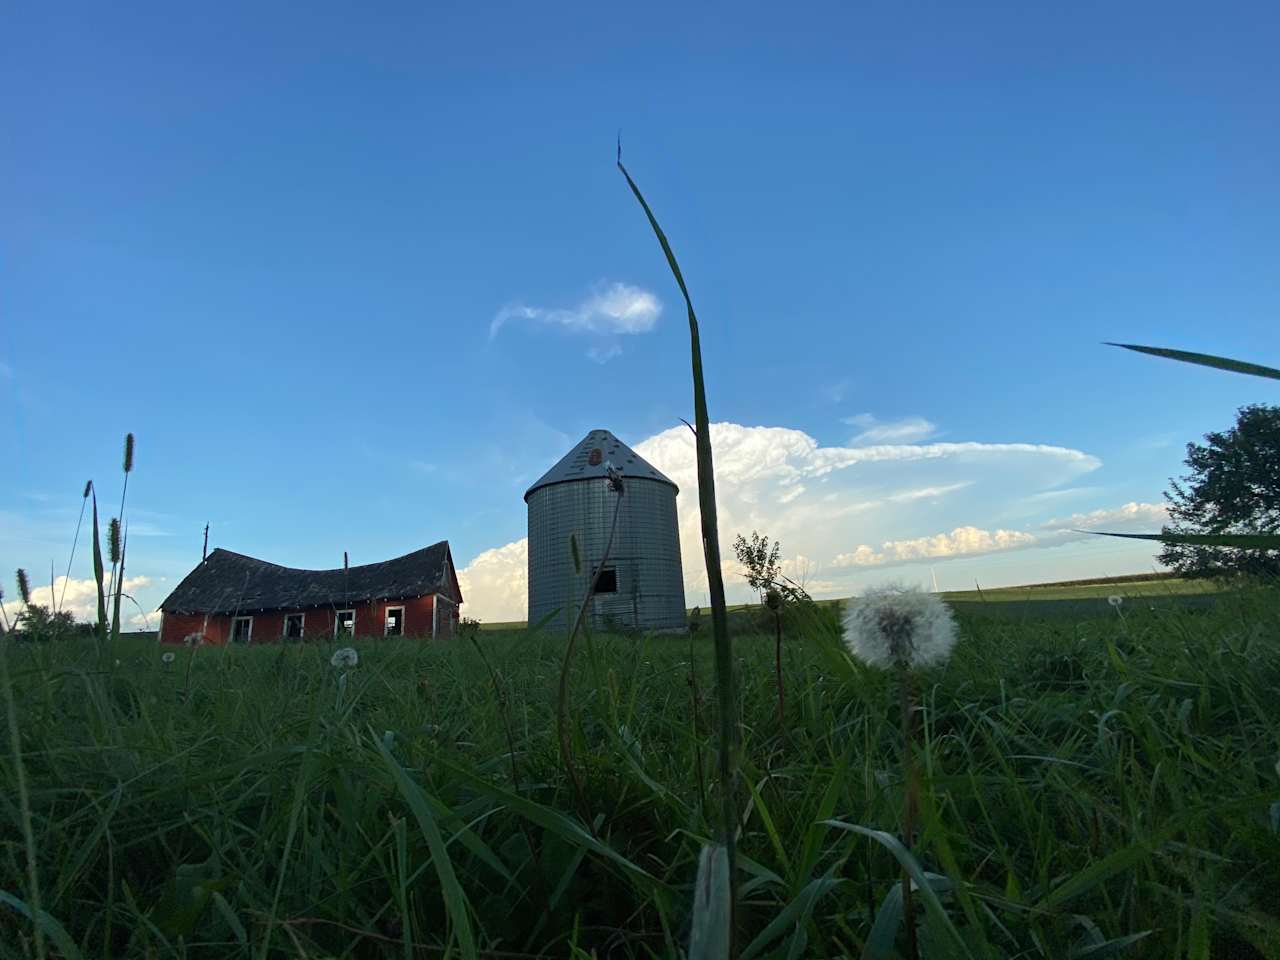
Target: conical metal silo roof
column 582, row 463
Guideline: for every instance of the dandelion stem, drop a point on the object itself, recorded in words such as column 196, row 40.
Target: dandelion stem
column 910, row 779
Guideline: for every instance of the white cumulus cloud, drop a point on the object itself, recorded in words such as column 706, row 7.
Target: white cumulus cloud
column 495, row 585
column 1132, row 517
column 962, row 541
column 843, row 513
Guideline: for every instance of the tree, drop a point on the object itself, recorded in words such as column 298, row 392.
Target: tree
column 1233, row 488
column 37, row 624
column 764, row 571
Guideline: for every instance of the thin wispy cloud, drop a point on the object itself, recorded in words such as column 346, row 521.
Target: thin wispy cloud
column 612, row 310
column 875, row 431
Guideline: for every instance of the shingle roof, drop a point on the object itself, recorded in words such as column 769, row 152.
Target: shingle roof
column 577, row 465
column 226, row 582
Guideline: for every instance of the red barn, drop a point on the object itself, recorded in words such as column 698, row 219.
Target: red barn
column 233, row 598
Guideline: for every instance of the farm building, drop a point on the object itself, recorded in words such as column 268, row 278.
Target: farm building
column 641, row 585
column 233, row 598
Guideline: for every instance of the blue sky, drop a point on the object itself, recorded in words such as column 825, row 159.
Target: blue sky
column 274, row 245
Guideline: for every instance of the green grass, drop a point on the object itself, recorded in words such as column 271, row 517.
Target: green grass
column 1087, row 778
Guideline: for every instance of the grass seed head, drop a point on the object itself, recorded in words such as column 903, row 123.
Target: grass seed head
column 898, row 626
column 113, row 540
column 24, row 586
column 128, row 452
column 88, row 488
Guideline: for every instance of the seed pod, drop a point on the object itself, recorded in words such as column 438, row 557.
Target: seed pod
column 113, row 540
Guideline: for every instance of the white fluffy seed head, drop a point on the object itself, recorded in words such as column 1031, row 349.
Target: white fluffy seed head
column 167, row 657
column 896, row 625
column 1115, row 600
column 346, row 657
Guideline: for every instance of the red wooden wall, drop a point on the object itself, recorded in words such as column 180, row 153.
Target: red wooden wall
column 268, row 626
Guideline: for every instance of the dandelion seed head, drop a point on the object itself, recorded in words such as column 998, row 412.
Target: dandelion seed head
column 896, row 625
column 168, row 657
column 1115, row 600
column 346, row 657
column 193, row 639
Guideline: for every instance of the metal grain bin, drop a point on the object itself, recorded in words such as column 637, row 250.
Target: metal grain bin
column 642, row 585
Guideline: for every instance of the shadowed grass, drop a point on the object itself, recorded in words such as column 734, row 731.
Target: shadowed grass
column 1084, row 780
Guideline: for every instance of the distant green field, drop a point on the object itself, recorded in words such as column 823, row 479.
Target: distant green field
column 1185, row 592
column 1121, row 587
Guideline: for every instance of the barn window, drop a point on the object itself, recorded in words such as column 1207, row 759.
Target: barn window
column 241, row 629
column 608, row 582
column 344, row 622
column 293, row 626
column 395, row 622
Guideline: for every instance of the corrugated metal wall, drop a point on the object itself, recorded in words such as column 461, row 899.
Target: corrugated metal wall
column 646, row 553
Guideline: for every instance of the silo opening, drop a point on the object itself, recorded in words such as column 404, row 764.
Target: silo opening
column 608, row 582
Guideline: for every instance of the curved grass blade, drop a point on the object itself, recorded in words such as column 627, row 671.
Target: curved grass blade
column 1241, row 541
column 51, row 927
column 709, row 937
column 796, row 913
column 455, row 900
column 726, row 683
column 931, row 902
column 1204, row 360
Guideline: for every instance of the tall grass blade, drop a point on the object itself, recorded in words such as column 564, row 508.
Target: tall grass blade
column 24, row 806
column 709, row 936
column 726, row 685
column 1240, row 541
column 99, row 573
column 1204, row 360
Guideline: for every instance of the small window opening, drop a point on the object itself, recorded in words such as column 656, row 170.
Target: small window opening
column 608, row 582
column 293, row 626
column 345, row 623
column 395, row 621
column 241, row 629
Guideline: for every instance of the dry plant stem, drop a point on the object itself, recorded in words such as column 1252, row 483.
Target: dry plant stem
column 15, row 747
column 76, row 539
column 911, row 781
column 697, row 728
column 777, row 655
column 562, row 726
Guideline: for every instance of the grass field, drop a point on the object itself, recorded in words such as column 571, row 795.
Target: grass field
column 1095, row 784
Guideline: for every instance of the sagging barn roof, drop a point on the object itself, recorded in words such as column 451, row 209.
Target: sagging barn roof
column 227, row 582
column 590, row 458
